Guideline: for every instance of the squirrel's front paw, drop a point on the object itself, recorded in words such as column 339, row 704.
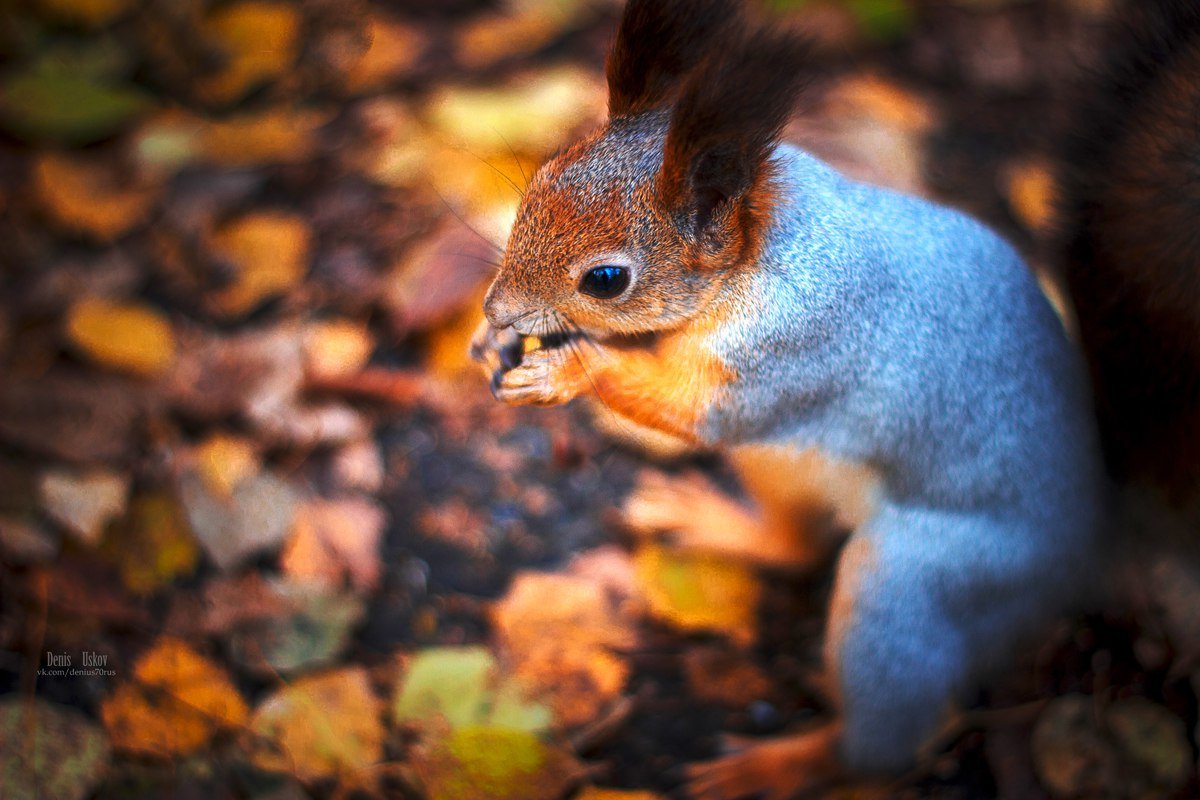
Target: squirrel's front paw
column 523, row 372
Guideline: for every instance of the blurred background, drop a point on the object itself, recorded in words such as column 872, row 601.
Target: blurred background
column 263, row 531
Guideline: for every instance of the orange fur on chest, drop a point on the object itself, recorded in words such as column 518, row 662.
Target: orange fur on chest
column 670, row 386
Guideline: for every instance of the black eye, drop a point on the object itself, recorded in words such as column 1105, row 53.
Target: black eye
column 604, row 283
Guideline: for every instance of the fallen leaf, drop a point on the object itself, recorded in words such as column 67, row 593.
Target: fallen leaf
column 47, row 751
column 84, row 503
column 279, row 135
column 496, row 763
column 260, row 41
column 153, row 545
column 124, row 335
column 320, row 726
column 392, row 50
column 312, row 631
column 89, row 12
column 47, row 103
column 1031, row 193
column 89, row 196
column 562, row 634
column 698, row 593
column 333, row 539
column 594, row 793
column 178, row 701
column 452, row 683
column 256, row 518
column 530, row 115
column 224, row 461
column 173, row 139
column 528, row 26
column 336, row 348
column 270, row 252
column 1154, row 744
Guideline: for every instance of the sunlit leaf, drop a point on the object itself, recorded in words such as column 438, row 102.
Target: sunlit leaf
column 176, row 703
column 320, row 726
column 260, row 40
column 128, row 336
column 85, row 196
column 496, row 763
column 698, row 593
column 270, row 252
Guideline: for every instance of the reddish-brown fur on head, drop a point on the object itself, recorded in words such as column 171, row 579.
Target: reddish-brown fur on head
column 676, row 188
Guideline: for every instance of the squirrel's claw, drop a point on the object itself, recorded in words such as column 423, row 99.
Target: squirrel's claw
column 543, row 378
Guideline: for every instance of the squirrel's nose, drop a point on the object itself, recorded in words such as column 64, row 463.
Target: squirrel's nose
column 500, row 309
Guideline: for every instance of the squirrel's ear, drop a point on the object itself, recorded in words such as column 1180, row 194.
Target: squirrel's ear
column 659, row 41
column 730, row 113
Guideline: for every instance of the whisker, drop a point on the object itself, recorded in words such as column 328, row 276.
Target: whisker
column 464, row 223
column 515, row 158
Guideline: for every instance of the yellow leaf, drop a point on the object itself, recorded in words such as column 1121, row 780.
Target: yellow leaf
column 321, row 726
column 532, row 115
column 698, row 593
column 494, row 763
column 337, row 348
column 123, row 335
column 153, row 546
column 260, row 39
column 176, row 704
column 89, row 197
column 270, row 251
column 225, row 461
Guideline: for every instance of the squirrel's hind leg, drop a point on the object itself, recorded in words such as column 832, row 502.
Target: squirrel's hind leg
column 922, row 601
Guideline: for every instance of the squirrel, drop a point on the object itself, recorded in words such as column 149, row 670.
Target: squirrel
column 706, row 280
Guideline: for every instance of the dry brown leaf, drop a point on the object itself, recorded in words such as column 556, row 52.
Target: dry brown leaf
column 124, row 335
column 260, row 40
column 270, row 252
column 178, row 701
column 336, row 539
column 90, row 197
column 321, row 726
column 562, row 634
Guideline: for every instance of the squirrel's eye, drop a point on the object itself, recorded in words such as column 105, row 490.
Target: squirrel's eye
column 604, row 283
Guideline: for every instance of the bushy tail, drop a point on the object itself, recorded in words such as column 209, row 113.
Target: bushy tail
column 1131, row 206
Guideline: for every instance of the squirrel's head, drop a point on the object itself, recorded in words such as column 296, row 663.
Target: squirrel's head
column 636, row 228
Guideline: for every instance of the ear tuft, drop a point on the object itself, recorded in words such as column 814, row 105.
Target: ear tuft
column 729, row 116
column 657, row 43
